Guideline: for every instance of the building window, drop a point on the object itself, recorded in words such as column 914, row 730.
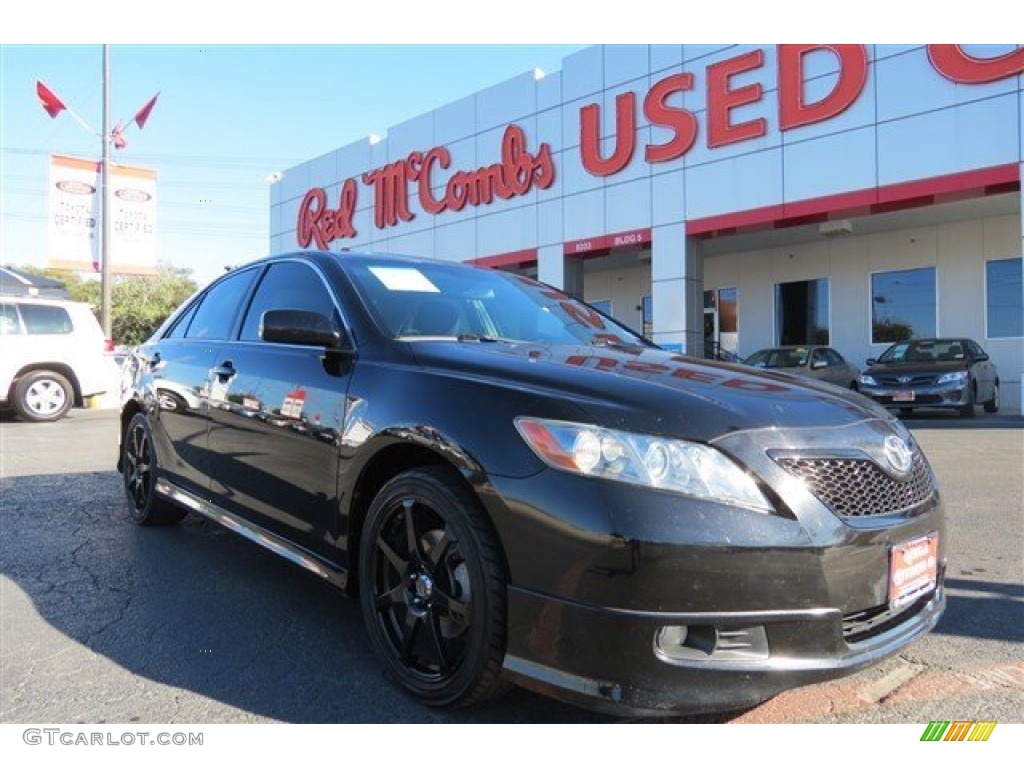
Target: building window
column 902, row 305
column 801, row 312
column 1005, row 305
column 728, row 313
column 648, row 317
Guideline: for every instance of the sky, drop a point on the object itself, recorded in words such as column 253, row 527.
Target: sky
column 228, row 116
column 287, row 83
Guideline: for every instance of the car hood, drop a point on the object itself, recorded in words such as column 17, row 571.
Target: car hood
column 650, row 390
column 917, row 369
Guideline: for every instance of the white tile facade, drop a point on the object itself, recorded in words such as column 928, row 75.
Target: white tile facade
column 908, row 123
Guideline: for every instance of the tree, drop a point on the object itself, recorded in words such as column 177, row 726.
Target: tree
column 138, row 304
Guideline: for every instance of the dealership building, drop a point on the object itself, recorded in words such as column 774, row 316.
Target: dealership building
column 718, row 198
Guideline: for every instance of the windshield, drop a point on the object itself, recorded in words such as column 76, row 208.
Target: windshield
column 431, row 300
column 925, row 351
column 779, row 358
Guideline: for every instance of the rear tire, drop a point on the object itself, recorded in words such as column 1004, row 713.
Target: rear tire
column 138, row 469
column 433, row 589
column 43, row 396
column 992, row 406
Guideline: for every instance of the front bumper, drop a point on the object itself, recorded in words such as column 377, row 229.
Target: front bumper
column 613, row 660
column 955, row 395
column 599, row 570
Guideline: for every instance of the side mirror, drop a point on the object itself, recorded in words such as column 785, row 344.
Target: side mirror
column 296, row 326
column 870, row 361
column 981, row 358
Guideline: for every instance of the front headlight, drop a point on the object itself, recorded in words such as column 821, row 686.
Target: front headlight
column 655, row 462
column 869, row 380
column 954, row 377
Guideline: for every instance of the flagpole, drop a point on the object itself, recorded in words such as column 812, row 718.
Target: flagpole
column 105, row 319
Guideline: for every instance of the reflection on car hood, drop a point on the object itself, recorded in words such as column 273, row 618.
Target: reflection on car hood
column 650, row 390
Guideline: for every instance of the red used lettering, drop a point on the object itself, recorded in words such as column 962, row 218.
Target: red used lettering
column 853, row 73
column 316, row 222
column 722, row 99
column 953, row 64
column 625, row 136
column 600, row 363
column 699, row 376
column 681, row 121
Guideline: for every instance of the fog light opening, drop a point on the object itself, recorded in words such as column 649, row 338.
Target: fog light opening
column 707, row 642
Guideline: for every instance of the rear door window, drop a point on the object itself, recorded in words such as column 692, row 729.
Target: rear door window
column 43, row 319
column 215, row 318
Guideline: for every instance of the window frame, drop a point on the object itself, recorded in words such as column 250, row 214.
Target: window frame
column 937, row 333
column 988, row 337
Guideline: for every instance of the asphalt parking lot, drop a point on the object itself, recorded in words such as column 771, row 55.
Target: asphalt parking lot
column 105, row 622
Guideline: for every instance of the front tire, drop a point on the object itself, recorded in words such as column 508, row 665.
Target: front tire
column 138, row 469
column 992, row 406
column 43, row 396
column 967, row 411
column 433, row 588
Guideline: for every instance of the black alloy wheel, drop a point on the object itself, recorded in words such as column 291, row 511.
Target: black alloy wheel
column 138, row 468
column 432, row 588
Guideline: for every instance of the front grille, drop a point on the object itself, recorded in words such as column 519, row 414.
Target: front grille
column 915, row 381
column 858, row 487
column 863, row 625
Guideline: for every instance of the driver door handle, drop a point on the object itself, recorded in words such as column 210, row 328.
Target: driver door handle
column 225, row 370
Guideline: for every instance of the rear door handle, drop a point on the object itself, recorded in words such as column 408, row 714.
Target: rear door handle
column 225, row 370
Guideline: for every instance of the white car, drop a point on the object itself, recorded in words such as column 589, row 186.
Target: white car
column 54, row 356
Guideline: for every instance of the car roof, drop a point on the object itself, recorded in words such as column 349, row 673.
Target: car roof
column 340, row 257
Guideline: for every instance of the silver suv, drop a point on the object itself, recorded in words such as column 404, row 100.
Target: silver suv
column 54, row 356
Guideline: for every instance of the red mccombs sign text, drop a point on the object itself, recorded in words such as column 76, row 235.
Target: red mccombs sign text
column 519, row 170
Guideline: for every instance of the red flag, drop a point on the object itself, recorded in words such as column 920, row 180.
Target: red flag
column 143, row 114
column 48, row 99
column 117, row 136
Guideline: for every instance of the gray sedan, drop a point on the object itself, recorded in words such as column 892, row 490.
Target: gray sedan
column 822, row 363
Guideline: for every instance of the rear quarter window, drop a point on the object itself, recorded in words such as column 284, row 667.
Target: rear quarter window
column 42, row 319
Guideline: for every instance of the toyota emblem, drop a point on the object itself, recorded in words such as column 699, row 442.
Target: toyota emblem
column 898, row 454
column 904, row 379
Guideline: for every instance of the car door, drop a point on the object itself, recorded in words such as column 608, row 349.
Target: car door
column 276, row 413
column 841, row 373
column 175, row 378
column 818, row 365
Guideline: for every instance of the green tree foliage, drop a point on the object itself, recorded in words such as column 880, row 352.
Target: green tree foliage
column 138, row 304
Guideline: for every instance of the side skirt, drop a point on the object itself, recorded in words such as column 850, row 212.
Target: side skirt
column 255, row 533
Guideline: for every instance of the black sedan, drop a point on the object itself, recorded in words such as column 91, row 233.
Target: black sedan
column 519, row 489
column 933, row 373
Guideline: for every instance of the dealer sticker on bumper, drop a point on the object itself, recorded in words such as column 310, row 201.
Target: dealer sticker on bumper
column 913, row 569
